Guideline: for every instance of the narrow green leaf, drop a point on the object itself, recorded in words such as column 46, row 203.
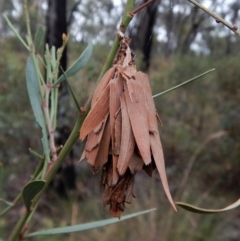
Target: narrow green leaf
column 78, row 64
column 184, row 83
column 30, row 191
column 86, row 226
column 15, row 32
column 71, row 90
column 6, row 202
column 35, row 100
column 38, row 38
column 195, row 209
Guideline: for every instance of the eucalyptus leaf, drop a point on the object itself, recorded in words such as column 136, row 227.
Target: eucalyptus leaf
column 78, row 64
column 86, row 226
column 30, row 191
column 195, row 209
column 35, row 100
column 38, row 38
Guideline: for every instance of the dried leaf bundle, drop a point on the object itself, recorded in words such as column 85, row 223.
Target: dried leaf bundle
column 122, row 131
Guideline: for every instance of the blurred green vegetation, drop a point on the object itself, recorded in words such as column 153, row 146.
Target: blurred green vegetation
column 191, row 115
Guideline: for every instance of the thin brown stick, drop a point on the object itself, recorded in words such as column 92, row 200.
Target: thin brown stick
column 141, row 7
column 218, row 19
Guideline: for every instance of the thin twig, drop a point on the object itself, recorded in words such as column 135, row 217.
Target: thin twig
column 29, row 34
column 49, row 125
column 141, row 7
column 218, row 19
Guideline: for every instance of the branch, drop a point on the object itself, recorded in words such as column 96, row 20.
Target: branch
column 218, row 19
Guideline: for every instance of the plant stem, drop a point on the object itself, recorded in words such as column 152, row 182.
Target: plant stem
column 141, row 7
column 35, row 153
column 218, row 19
column 4, row 211
column 27, row 22
column 184, row 83
column 49, row 124
column 15, row 235
column 15, row 32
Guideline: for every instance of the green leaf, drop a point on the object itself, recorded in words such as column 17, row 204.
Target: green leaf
column 184, row 83
column 15, row 32
column 78, row 64
column 35, row 100
column 7, row 202
column 195, row 209
column 30, row 191
column 86, row 226
column 38, row 38
column 71, row 90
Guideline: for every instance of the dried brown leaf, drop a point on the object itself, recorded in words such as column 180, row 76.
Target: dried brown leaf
column 158, row 119
column 157, row 152
column 98, row 127
column 117, row 133
column 96, row 115
column 95, row 137
column 116, row 88
column 138, row 117
column 93, row 143
column 151, row 110
column 130, row 71
column 91, row 156
column 102, row 84
column 102, row 156
column 127, row 141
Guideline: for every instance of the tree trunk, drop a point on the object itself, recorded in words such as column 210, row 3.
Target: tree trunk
column 56, row 22
column 142, row 33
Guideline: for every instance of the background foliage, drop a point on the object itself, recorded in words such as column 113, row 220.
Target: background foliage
column 185, row 43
